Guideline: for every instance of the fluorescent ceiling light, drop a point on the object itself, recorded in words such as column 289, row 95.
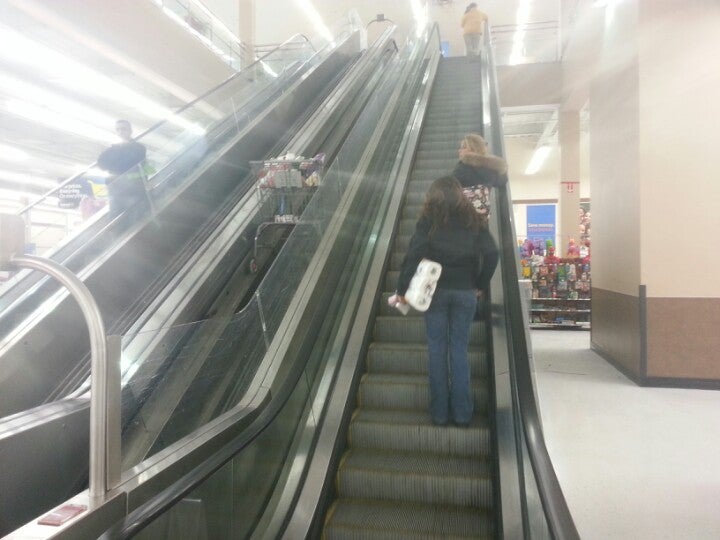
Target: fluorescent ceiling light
column 10, row 153
column 539, row 157
column 50, row 118
column 78, row 78
column 312, row 14
column 28, row 179
column 64, row 107
column 15, row 195
column 420, row 15
column 522, row 17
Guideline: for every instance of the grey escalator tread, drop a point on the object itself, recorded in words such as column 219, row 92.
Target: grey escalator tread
column 369, row 520
column 413, row 431
column 399, row 329
column 412, row 477
column 412, row 358
column 409, row 392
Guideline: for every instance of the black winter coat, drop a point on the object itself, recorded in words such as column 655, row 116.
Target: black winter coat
column 455, row 247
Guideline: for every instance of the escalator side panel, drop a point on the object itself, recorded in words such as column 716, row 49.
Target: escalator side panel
column 46, row 346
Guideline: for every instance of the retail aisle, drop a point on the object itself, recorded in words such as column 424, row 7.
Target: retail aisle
column 634, row 463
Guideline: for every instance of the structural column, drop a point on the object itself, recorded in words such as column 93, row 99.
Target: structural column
column 569, row 139
column 246, row 29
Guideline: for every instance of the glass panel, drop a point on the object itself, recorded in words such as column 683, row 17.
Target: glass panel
column 177, row 379
column 206, row 28
column 181, row 141
column 188, row 375
column 229, row 502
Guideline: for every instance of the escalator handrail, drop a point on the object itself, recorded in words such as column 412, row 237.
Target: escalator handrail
column 141, row 517
column 557, row 512
column 182, row 109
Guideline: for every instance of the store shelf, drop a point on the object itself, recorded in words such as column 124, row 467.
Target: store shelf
column 553, row 282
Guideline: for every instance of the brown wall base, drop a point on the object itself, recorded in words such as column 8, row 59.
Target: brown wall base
column 663, row 342
column 616, row 330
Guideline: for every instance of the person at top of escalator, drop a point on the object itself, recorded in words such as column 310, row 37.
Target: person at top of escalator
column 471, row 23
column 478, row 172
column 124, row 162
column 448, row 233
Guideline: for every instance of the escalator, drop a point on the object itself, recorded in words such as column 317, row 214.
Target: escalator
column 61, row 428
column 126, row 262
column 400, row 474
column 332, row 438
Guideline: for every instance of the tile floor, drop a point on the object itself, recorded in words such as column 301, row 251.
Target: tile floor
column 634, row 463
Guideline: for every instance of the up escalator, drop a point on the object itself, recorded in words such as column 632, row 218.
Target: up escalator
column 401, row 475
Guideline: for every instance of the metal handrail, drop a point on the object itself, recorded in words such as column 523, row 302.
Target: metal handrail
column 99, row 370
column 179, row 111
column 557, row 512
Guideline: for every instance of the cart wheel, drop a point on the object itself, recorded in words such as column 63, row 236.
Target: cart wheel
column 252, row 266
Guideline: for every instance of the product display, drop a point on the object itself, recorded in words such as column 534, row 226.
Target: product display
column 560, row 289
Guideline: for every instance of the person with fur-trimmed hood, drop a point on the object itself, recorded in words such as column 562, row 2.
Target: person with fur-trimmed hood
column 478, row 172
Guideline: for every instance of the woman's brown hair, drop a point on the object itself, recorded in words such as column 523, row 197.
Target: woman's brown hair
column 445, row 198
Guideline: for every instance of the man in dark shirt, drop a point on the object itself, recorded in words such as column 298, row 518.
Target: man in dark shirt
column 124, row 162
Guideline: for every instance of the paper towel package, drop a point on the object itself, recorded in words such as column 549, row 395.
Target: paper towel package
column 422, row 285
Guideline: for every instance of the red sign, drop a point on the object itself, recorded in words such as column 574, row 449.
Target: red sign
column 570, row 186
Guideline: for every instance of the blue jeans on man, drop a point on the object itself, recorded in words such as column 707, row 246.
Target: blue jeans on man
column 448, row 321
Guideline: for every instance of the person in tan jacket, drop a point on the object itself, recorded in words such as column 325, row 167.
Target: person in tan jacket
column 472, row 24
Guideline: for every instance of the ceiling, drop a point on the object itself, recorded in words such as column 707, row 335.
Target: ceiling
column 62, row 87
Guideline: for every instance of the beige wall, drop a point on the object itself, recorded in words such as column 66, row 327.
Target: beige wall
column 543, row 185
column 530, row 84
column 679, row 156
column 614, row 156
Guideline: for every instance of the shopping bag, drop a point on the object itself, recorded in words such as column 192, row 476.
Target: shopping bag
column 423, row 284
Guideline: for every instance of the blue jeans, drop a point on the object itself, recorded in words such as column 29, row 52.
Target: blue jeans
column 448, row 321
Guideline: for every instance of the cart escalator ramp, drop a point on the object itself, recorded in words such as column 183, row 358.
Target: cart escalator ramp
column 401, row 476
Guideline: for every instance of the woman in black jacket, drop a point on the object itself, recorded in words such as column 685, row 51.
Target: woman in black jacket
column 478, row 172
column 448, row 232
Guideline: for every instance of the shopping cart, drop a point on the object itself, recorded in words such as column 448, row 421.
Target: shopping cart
column 284, row 188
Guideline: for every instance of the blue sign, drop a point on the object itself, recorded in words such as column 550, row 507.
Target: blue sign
column 445, row 48
column 541, row 221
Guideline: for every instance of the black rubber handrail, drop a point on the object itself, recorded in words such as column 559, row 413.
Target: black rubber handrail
column 557, row 513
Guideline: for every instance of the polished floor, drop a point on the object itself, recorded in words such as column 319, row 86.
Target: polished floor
column 634, row 463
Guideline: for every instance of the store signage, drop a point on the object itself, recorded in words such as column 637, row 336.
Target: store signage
column 541, row 222
column 69, row 195
column 570, row 187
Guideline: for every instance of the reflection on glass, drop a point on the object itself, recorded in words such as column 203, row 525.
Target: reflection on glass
column 182, row 141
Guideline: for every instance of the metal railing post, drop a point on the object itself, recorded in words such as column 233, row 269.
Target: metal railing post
column 98, row 355
column 12, row 241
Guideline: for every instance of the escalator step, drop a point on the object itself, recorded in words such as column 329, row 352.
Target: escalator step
column 412, row 431
column 365, row 520
column 401, row 329
column 407, row 226
column 446, row 164
column 409, row 392
column 411, row 358
column 394, row 476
